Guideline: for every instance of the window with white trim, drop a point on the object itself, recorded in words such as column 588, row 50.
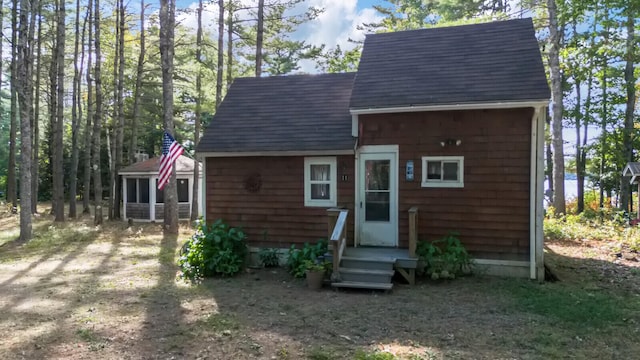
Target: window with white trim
column 320, row 185
column 443, row 171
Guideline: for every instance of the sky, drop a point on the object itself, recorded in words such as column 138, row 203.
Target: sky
column 335, row 26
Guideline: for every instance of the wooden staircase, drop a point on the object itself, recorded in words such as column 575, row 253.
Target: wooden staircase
column 368, row 267
column 371, row 268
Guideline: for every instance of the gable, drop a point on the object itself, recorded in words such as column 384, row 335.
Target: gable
column 481, row 63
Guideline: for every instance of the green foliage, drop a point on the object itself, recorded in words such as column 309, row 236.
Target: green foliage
column 361, row 355
column 611, row 226
column 213, row 250
column 297, row 259
column 269, row 257
column 445, row 258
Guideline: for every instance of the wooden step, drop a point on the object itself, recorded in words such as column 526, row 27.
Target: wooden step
column 370, row 263
column 366, row 275
column 363, row 285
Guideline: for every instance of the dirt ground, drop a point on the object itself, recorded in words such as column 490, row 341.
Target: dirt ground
column 81, row 292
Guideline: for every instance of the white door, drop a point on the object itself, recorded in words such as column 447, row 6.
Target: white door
column 378, row 188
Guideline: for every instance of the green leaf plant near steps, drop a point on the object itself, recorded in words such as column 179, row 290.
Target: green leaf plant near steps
column 445, row 258
column 299, row 259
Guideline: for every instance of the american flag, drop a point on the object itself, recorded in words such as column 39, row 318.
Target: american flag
column 171, row 151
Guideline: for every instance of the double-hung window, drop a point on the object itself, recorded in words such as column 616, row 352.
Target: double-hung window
column 320, row 181
column 443, row 171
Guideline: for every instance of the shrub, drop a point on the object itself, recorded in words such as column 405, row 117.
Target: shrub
column 269, row 257
column 445, row 258
column 213, row 250
column 297, row 257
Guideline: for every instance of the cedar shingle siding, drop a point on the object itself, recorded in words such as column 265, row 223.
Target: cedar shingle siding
column 491, row 212
column 275, row 215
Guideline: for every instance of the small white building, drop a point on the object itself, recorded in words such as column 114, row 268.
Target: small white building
column 142, row 201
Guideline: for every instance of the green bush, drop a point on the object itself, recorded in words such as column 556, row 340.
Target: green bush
column 296, row 260
column 445, row 258
column 213, row 250
column 269, row 257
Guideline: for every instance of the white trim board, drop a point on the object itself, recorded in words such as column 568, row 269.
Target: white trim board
column 469, row 106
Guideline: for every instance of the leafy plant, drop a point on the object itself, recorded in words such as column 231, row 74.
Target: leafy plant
column 217, row 249
column 297, row 257
column 444, row 258
column 269, row 257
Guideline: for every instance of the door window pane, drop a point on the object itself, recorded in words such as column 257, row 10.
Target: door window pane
column 320, row 192
column 377, row 174
column 144, row 190
column 132, row 191
column 377, row 206
column 183, row 190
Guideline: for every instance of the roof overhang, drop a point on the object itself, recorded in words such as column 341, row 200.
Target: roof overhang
column 629, row 171
column 446, row 107
column 207, row 154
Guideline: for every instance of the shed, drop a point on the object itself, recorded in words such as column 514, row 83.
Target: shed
column 632, row 170
column 142, row 201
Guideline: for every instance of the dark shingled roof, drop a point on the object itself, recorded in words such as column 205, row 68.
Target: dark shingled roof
column 283, row 113
column 151, row 166
column 491, row 62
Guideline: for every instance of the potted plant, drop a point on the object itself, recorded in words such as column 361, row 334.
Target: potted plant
column 315, row 271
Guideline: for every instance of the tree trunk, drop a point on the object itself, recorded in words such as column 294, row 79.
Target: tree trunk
column 87, row 129
column 35, row 164
column 167, row 24
column 631, row 101
column 196, row 136
column 75, row 118
column 12, row 189
column 25, row 97
column 58, row 145
column 112, row 143
column 230, row 10
column 119, row 135
column 557, row 108
column 220, row 52
column 133, row 147
column 259, row 38
column 97, row 121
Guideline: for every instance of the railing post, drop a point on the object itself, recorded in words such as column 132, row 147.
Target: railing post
column 413, row 230
column 332, row 218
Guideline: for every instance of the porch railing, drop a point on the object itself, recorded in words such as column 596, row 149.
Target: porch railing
column 413, row 230
column 337, row 233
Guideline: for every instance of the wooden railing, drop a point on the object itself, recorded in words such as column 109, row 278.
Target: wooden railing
column 337, row 233
column 413, row 230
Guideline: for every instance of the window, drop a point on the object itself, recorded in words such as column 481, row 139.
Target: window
column 132, row 190
column 138, row 190
column 183, row 191
column 443, row 171
column 144, row 190
column 320, row 181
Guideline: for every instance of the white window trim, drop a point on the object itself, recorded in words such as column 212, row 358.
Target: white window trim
column 333, row 185
column 443, row 183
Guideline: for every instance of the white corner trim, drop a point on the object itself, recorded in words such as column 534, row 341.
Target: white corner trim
column 536, row 190
column 277, row 153
column 354, row 125
column 468, row 106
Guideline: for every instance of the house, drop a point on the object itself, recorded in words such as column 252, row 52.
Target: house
column 447, row 123
column 142, row 201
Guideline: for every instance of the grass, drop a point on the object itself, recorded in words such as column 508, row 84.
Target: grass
column 572, row 306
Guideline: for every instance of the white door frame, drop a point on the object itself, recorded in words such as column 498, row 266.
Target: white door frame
column 358, row 218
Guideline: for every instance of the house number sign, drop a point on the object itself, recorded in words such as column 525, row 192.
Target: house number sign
column 409, row 170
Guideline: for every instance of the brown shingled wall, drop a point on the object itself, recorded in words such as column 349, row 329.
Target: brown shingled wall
column 275, row 215
column 491, row 212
